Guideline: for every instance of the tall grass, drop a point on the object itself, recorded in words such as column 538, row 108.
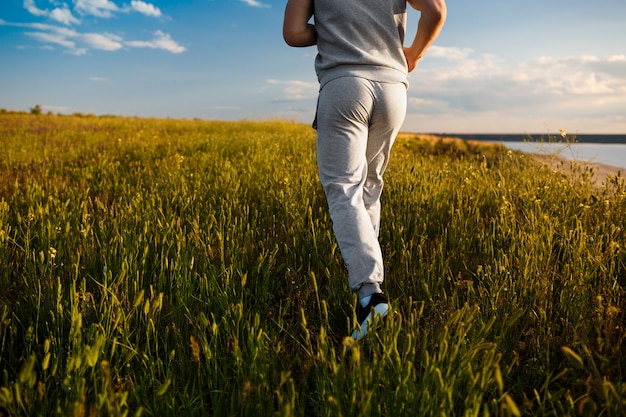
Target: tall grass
column 171, row 267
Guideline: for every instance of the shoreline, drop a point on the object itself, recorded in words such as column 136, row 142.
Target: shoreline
column 601, row 171
column 582, row 138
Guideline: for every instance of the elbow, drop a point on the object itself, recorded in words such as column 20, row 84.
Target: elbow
column 290, row 37
column 439, row 12
column 299, row 38
column 434, row 11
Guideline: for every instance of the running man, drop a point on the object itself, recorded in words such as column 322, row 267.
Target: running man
column 362, row 67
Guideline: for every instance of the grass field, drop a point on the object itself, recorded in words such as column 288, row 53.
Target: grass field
column 185, row 268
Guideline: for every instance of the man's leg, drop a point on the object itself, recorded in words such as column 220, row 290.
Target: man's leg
column 343, row 119
column 385, row 122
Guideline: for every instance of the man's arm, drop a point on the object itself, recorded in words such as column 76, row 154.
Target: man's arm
column 297, row 31
column 432, row 18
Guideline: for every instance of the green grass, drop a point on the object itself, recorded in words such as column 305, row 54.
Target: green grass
column 171, row 267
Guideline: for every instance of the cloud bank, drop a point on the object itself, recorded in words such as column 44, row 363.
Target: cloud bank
column 583, row 91
column 480, row 93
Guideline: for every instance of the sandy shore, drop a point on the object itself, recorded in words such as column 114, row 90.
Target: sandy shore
column 600, row 171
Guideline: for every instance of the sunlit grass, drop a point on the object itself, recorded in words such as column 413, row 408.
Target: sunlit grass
column 171, row 267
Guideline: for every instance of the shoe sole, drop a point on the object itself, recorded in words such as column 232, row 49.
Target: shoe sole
column 380, row 311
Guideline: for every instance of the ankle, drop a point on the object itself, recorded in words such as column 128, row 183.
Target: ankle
column 365, row 300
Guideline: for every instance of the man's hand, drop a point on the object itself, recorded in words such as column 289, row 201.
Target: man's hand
column 411, row 59
column 432, row 17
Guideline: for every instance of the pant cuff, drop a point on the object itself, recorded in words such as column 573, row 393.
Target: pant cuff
column 368, row 289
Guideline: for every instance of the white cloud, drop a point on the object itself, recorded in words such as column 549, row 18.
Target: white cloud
column 451, row 53
column 255, row 3
column 29, row 5
column 102, row 41
column 63, row 15
column 59, row 14
column 78, row 43
column 145, row 8
column 539, row 76
column 161, row 41
column 99, row 8
column 584, row 75
column 485, row 91
column 75, row 42
column 54, row 38
column 296, row 90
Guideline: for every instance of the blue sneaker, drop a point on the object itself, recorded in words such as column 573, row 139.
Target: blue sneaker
column 378, row 306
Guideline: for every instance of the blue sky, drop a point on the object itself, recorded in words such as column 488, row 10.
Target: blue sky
column 498, row 67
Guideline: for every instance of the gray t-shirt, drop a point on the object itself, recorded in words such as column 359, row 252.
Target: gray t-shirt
column 361, row 38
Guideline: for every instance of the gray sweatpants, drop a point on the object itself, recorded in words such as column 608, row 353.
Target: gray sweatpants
column 357, row 121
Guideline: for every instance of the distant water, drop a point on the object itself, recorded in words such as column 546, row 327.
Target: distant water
column 603, row 149
column 541, row 138
column 608, row 154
